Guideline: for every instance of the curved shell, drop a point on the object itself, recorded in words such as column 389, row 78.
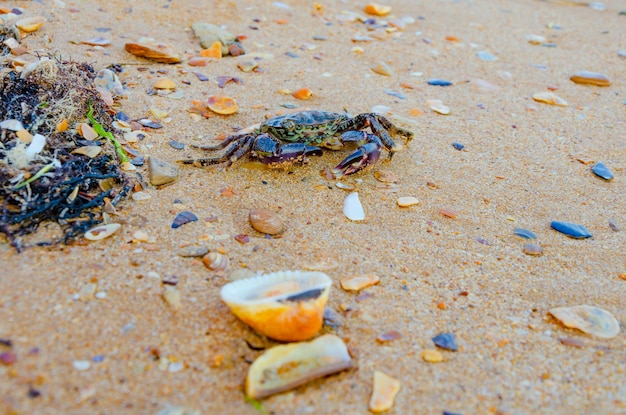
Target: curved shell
column 284, row 305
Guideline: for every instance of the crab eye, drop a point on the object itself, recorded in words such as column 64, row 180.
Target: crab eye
column 289, row 124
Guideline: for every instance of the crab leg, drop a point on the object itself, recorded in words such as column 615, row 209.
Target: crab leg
column 380, row 126
column 234, row 152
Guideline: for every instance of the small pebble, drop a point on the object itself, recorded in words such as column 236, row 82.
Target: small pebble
column 395, row 93
column 486, row 56
column 535, row 39
column 222, row 104
column 431, row 355
column 602, row 171
column 266, row 221
column 193, row 251
column 358, row 282
column 161, row 172
column 388, row 336
column 201, row 77
column 8, row 358
column 458, row 146
column 592, row 78
column 384, row 392
column 30, row 24
column 613, row 226
column 588, row 319
column 176, row 144
column 439, row 82
column 568, row 341
column 183, row 218
column 549, row 98
column 406, row 201
column 532, row 249
column 446, row 341
column 571, row 229
column 525, row 233
column 247, row 66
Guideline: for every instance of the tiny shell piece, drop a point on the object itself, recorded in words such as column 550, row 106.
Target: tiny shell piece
column 407, row 201
column 592, row 78
column 382, row 68
column 285, row 305
column 549, row 98
column 222, row 105
column 588, row 319
column 438, row 106
column 377, row 9
column 302, row 93
column 431, row 355
column 265, row 221
column 352, row 207
column 216, row 261
column 102, row 231
column 30, row 24
column 150, row 49
column 87, row 132
column 533, row 249
column 89, row 151
column 287, row 366
column 358, row 282
column 165, row 83
column 385, row 390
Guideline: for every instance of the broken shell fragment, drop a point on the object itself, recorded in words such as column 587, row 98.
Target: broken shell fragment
column 385, row 390
column 358, row 282
column 285, row 367
column 549, row 98
column 284, row 305
column 352, row 207
column 222, row 105
column 30, row 24
column 588, row 319
column 102, row 231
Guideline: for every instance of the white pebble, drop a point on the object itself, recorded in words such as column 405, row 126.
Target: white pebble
column 406, row 201
column 101, row 295
column 352, row 207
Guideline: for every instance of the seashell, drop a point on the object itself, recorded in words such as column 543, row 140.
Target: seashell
column 216, row 261
column 222, row 105
column 572, row 230
column 549, row 98
column 377, row 9
column 384, row 392
column 588, row 319
column 30, row 24
column 165, row 83
column 358, row 282
column 438, row 106
column 86, row 131
column 446, row 341
column 183, row 218
column 524, row 233
column 287, row 366
column 532, row 249
column 406, row 201
column 102, row 231
column 600, row 170
column 352, row 207
column 266, row 221
column 89, row 151
column 284, row 305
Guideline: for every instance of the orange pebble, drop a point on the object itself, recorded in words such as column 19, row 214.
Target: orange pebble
column 442, row 305
column 303, row 93
column 215, row 51
column 377, row 9
column 452, row 39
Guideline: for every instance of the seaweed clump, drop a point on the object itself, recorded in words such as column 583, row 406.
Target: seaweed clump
column 42, row 179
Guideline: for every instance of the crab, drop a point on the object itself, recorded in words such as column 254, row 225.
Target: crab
column 288, row 139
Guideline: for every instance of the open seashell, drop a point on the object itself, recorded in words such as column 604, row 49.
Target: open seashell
column 284, row 367
column 285, row 305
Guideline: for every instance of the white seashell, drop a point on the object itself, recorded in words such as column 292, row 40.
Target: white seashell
column 35, row 146
column 285, row 305
column 380, row 109
column 352, row 207
column 284, row 367
column 385, row 390
column 102, row 231
column 13, row 125
column 588, row 319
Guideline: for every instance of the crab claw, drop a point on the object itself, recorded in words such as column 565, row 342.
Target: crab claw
column 291, row 153
column 364, row 156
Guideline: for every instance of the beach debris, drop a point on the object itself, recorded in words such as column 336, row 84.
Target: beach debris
column 213, row 51
column 216, row 261
column 549, row 98
column 81, row 364
column 525, row 233
column 602, row 171
column 359, row 281
column 438, row 106
column 352, row 207
column 164, row 83
column 486, row 56
column 183, row 218
column 439, row 82
column 209, row 34
column 222, row 105
column 302, row 93
column 406, row 201
column 222, row 80
column 386, row 176
column 382, row 68
column 445, row 341
column 532, row 249
column 388, row 336
column 30, row 24
column 96, row 41
column 173, row 297
column 591, row 78
column 448, row 213
column 266, row 221
column 107, row 80
column 588, row 319
column 149, row 48
column 535, row 39
column 102, row 231
column 161, row 172
column 384, row 392
column 377, row 9
column 431, row 355
column 458, row 146
column 287, row 366
column 284, row 305
column 572, row 230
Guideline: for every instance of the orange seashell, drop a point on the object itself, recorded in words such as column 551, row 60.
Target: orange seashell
column 377, row 9
column 30, row 24
column 449, row 213
column 303, row 93
column 285, row 306
column 215, row 51
column 222, row 105
column 165, row 83
column 62, row 126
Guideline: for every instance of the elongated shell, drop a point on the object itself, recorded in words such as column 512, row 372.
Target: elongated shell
column 284, row 367
column 285, row 305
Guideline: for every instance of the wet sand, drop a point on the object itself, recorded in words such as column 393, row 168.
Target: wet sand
column 466, row 275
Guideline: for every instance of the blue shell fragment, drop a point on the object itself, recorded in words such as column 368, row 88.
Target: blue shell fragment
column 439, row 82
column 182, row 218
column 525, row 233
column 446, row 341
column 602, row 171
column 572, row 230
column 458, row 146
